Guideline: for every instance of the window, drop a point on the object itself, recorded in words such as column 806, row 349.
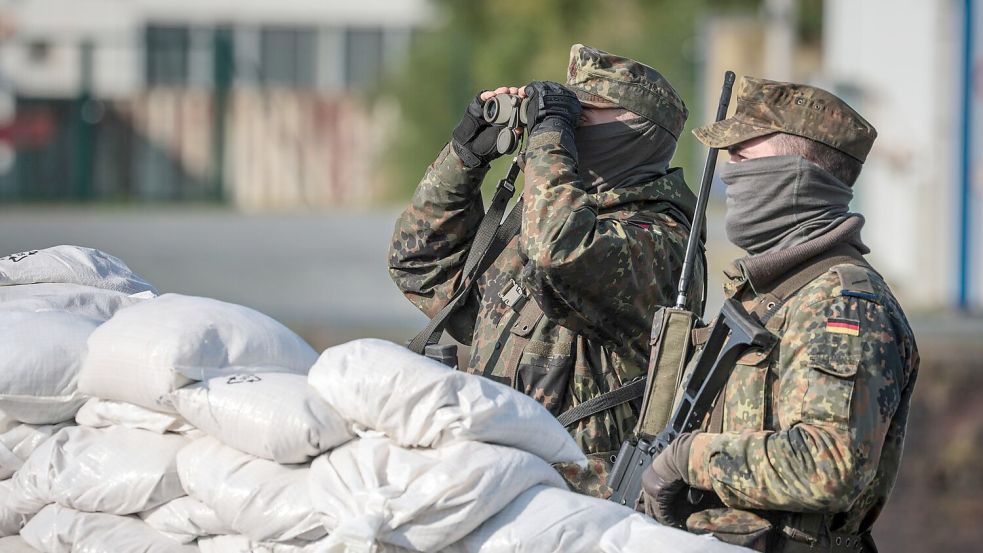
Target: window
column 364, row 59
column 167, row 54
column 287, row 57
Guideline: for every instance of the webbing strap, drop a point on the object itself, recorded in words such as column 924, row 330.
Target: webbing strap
column 603, row 402
column 799, row 277
column 491, row 238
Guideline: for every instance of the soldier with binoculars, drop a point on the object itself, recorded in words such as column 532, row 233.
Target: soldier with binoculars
column 564, row 312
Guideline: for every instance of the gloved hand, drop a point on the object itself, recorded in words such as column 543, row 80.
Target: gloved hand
column 474, row 138
column 665, row 483
column 551, row 105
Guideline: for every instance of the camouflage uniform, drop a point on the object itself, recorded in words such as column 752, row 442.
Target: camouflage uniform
column 816, row 423
column 597, row 264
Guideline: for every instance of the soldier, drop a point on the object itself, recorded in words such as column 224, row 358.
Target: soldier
column 804, row 445
column 564, row 313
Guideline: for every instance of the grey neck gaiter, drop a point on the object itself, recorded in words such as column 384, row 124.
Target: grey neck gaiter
column 622, row 153
column 778, row 202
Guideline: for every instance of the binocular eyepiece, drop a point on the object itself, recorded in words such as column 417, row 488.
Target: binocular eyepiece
column 508, row 110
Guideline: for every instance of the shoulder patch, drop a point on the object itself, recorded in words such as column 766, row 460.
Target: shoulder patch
column 855, row 282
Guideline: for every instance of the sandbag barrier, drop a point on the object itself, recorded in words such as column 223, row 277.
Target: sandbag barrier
column 131, row 422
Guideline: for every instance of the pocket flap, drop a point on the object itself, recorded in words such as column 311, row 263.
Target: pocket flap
column 841, row 364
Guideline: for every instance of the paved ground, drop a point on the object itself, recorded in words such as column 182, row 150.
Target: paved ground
column 306, row 270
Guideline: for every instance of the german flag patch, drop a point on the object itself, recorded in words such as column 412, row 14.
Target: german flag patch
column 843, row 326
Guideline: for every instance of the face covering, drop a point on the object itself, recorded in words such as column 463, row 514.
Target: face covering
column 622, row 153
column 778, row 202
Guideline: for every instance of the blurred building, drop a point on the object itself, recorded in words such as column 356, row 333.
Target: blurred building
column 254, row 102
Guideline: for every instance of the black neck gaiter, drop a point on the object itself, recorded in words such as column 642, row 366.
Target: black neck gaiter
column 622, row 153
column 774, row 203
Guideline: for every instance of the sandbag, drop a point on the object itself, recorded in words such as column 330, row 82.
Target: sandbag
column 373, row 491
column 641, row 534
column 255, row 497
column 242, row 544
column 72, row 265
column 17, row 444
column 57, row 529
column 275, row 416
column 78, row 299
column 41, row 354
column 157, row 346
column 7, row 422
column 185, row 519
column 111, row 470
column 419, row 402
column 15, row 544
column 102, row 413
column 11, row 519
column 545, row 519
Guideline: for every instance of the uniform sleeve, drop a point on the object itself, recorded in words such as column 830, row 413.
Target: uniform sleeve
column 433, row 236
column 841, row 381
column 602, row 277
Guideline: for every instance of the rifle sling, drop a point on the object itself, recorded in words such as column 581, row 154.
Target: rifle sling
column 491, row 238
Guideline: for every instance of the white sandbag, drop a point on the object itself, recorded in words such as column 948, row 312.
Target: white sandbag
column 373, row 491
column 41, row 355
column 102, row 413
column 641, row 534
column 185, row 519
column 157, row 346
column 57, row 529
column 15, row 544
column 73, row 265
column 419, row 402
column 7, row 422
column 545, row 519
column 275, row 416
column 11, row 519
column 78, row 299
column 242, row 544
column 17, row 444
column 257, row 498
column 111, row 470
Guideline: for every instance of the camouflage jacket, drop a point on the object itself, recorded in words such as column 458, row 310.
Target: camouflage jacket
column 816, row 423
column 599, row 266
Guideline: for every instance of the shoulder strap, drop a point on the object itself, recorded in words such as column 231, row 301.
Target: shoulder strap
column 781, row 291
column 492, row 237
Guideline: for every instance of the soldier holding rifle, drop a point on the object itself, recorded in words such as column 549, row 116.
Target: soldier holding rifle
column 804, row 443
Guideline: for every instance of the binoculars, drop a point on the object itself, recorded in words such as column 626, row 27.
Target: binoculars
column 508, row 110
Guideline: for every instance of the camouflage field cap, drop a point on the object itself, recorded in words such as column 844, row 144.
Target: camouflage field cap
column 765, row 107
column 601, row 79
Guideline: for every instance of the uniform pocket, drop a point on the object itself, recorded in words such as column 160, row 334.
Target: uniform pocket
column 832, row 370
column 546, row 378
column 733, row 526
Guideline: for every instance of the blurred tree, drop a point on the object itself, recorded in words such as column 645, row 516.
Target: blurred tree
column 481, row 44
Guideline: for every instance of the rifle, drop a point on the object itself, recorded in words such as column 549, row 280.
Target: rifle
column 733, row 333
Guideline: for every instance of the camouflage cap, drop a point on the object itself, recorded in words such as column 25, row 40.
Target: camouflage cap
column 601, row 79
column 765, row 107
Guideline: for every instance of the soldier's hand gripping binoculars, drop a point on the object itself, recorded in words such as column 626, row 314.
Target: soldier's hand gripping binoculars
column 508, row 110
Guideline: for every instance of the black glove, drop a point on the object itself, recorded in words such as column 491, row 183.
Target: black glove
column 551, row 105
column 665, row 484
column 474, row 138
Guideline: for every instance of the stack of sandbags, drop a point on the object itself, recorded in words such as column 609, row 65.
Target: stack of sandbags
column 97, row 482
column 51, row 301
column 378, row 449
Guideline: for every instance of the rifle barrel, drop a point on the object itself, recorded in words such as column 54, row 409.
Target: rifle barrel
column 699, row 217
